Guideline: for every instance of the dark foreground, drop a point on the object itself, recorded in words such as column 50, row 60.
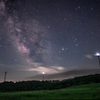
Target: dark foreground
column 87, row 91
column 48, row 85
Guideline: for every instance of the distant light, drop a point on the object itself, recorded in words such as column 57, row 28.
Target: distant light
column 43, row 72
column 97, row 54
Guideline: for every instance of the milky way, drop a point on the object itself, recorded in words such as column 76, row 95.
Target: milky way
column 27, row 36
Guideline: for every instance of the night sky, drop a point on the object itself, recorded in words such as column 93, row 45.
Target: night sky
column 51, row 36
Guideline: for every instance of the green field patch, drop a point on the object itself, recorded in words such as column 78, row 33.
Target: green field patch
column 88, row 91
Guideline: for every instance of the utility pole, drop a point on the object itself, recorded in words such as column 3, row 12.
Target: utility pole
column 5, row 77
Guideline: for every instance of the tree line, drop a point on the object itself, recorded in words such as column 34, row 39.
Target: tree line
column 48, row 85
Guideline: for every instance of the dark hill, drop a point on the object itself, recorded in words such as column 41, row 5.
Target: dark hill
column 48, row 85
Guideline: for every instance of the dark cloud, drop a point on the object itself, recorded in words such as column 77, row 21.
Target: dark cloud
column 66, row 75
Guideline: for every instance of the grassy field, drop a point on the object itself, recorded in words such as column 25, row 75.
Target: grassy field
column 89, row 91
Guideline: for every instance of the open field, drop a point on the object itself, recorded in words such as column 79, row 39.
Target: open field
column 88, row 91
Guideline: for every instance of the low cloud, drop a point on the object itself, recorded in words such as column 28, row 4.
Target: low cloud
column 49, row 70
column 89, row 56
column 40, row 67
column 59, row 68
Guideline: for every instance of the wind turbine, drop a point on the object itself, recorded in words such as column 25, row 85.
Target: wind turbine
column 5, row 76
column 98, row 55
column 43, row 75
